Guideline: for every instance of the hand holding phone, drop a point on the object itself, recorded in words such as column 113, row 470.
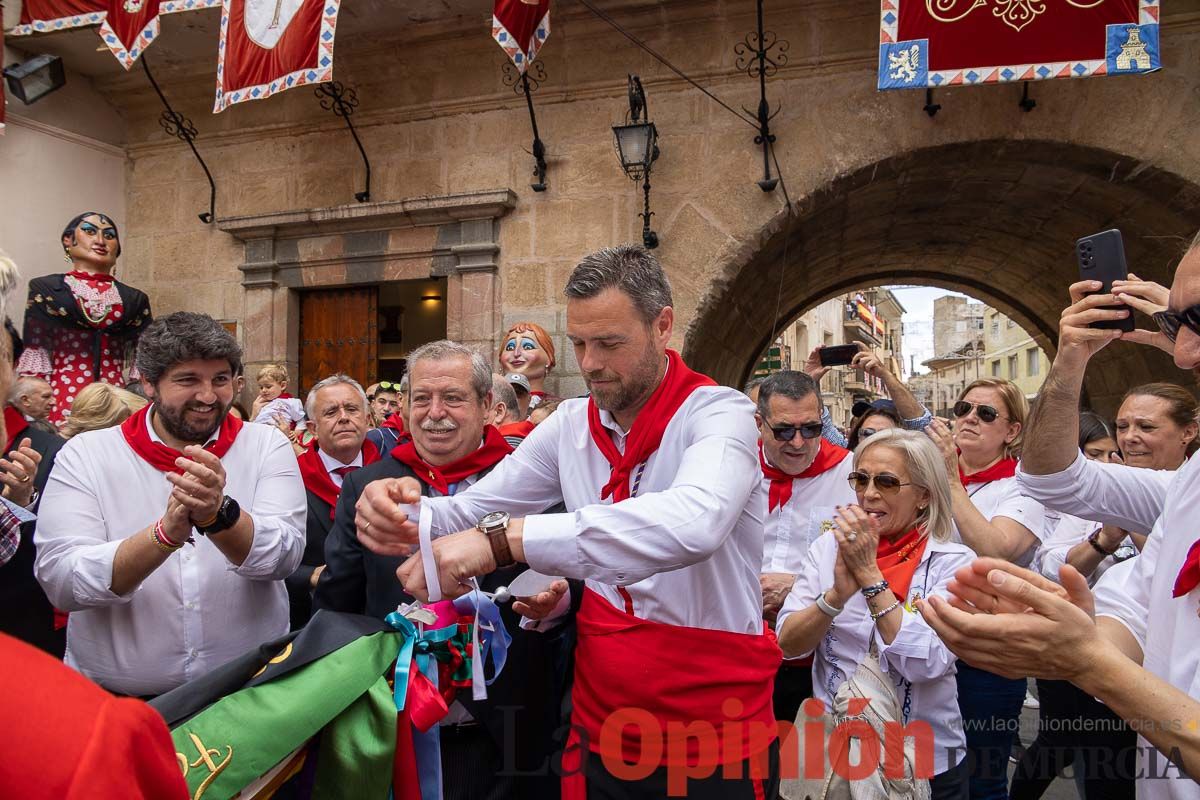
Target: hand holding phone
column 837, row 355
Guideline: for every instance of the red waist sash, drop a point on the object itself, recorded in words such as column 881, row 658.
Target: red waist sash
column 677, row 675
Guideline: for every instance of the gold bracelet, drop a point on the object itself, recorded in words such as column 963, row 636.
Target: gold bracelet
column 158, row 543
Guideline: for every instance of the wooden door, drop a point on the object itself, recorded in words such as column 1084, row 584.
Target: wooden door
column 338, row 333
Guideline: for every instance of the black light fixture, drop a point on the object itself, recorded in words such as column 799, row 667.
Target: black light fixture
column 36, row 78
column 637, row 147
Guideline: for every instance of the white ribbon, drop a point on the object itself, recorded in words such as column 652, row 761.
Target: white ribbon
column 433, row 583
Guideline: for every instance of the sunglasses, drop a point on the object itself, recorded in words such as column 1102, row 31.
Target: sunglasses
column 18, row 345
column 1169, row 322
column 786, row 433
column 884, row 483
column 986, row 414
column 391, row 387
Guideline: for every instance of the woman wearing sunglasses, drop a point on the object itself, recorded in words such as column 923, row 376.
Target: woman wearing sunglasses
column 995, row 519
column 855, row 592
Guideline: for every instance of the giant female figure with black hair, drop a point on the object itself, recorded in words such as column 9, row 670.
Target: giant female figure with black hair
column 82, row 326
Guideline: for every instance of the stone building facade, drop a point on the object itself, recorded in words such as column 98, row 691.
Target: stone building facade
column 982, row 196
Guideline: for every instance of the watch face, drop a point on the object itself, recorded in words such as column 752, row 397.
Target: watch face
column 493, row 519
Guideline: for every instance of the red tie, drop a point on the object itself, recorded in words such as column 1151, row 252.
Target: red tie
column 344, row 471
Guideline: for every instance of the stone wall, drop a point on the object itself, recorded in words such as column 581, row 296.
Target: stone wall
column 983, row 193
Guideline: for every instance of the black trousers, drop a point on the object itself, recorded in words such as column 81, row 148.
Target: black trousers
column 472, row 765
column 1074, row 729
column 793, row 685
column 602, row 785
column 953, row 784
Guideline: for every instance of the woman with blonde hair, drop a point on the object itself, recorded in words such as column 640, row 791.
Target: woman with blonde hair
column 892, row 548
column 98, row 406
column 994, row 519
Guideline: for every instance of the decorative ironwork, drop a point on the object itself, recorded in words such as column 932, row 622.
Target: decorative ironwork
column 931, row 108
column 637, row 148
column 760, row 56
column 342, row 100
column 179, row 126
column 1027, row 103
column 527, row 83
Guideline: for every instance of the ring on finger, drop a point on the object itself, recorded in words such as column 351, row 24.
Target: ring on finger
column 23, row 479
column 851, row 536
column 367, row 527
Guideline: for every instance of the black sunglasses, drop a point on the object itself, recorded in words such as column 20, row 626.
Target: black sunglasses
column 786, row 433
column 18, row 345
column 1169, row 322
column 985, row 413
column 388, row 385
column 884, row 483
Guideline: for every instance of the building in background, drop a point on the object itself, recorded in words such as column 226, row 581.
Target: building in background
column 957, row 321
column 871, row 316
column 1011, row 353
column 949, row 373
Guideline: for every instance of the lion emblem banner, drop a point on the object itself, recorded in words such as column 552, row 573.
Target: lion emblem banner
column 932, row 43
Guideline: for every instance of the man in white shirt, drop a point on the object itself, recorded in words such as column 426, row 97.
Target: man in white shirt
column 169, row 536
column 805, row 479
column 658, row 471
column 337, row 410
column 1132, row 644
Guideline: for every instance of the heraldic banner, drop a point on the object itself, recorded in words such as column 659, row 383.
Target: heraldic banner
column 932, row 43
column 269, row 46
column 129, row 28
column 43, row 16
column 520, row 27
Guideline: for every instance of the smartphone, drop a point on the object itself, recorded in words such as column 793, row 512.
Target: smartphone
column 837, row 355
column 1102, row 258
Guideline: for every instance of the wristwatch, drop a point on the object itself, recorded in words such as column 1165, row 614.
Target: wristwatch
column 495, row 527
column 227, row 516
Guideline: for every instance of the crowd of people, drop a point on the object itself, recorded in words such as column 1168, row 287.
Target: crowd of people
column 716, row 561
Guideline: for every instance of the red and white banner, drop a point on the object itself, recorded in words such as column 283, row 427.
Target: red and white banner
column 129, row 28
column 521, row 27
column 43, row 16
column 269, row 46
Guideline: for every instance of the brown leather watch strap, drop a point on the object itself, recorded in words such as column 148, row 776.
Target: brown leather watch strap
column 498, row 539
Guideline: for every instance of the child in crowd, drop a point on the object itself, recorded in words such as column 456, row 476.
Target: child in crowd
column 274, row 406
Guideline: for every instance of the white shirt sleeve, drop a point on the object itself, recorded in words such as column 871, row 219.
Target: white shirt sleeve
column 809, row 583
column 1123, row 592
column 1129, row 497
column 74, row 561
column 1021, row 508
column 623, row 543
column 1069, row 531
column 279, row 511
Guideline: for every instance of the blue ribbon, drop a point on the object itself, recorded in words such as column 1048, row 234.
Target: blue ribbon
column 490, row 640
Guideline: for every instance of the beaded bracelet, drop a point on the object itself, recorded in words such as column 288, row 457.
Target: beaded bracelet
column 164, row 542
column 876, row 617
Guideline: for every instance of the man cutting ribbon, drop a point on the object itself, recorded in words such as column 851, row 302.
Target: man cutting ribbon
column 659, row 473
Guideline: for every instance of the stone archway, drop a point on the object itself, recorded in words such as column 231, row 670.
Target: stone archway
column 995, row 218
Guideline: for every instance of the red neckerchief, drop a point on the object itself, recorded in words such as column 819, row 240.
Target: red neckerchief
column 284, row 396
column 494, row 448
column 1004, row 468
column 1189, row 574
column 162, row 458
column 317, row 479
column 522, row 428
column 97, row 277
column 829, row 455
column 898, row 559
column 395, row 422
column 537, row 394
column 645, row 435
column 14, row 425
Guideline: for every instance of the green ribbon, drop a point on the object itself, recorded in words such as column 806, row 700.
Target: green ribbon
column 357, row 748
column 242, row 736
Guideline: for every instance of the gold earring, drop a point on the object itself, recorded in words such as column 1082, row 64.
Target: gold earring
column 67, row 257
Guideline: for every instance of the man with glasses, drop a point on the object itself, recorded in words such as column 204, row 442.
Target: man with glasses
column 804, row 478
column 1131, row 644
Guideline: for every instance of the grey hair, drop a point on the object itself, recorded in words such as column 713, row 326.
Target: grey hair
column 632, row 269
column 23, row 386
column 337, row 379
column 184, row 336
column 481, row 373
column 503, row 392
column 404, row 383
column 9, row 275
column 752, row 384
column 790, row 384
column 926, row 469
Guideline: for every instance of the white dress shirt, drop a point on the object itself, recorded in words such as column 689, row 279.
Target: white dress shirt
column 921, row 666
column 196, row 611
column 796, row 524
column 332, row 464
column 1137, row 592
column 1004, row 498
column 687, row 547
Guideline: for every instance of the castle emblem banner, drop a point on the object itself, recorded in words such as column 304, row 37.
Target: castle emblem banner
column 520, row 27
column 932, row 43
column 269, row 46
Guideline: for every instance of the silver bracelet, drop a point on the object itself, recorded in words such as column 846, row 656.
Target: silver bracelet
column 876, row 617
column 826, row 608
column 878, row 588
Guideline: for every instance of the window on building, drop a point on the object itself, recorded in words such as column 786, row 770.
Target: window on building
column 1012, row 368
column 1032, row 360
column 996, row 368
column 828, row 340
column 995, row 328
